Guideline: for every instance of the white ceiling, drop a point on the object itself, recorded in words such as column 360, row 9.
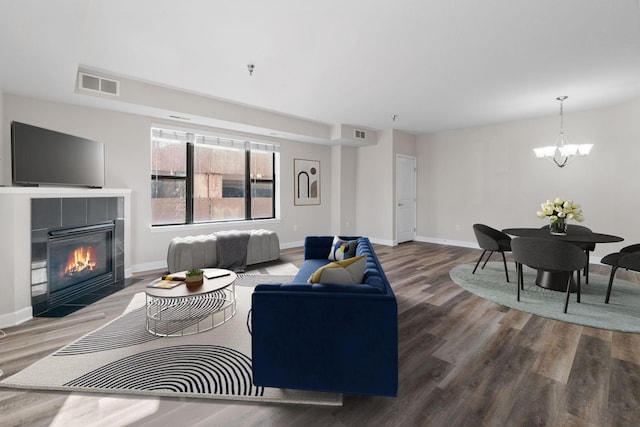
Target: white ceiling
column 436, row 64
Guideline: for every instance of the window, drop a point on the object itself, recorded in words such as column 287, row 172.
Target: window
column 197, row 178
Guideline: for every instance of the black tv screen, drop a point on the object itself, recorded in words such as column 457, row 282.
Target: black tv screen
column 45, row 157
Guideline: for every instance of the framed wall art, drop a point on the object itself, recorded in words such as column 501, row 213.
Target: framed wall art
column 306, row 182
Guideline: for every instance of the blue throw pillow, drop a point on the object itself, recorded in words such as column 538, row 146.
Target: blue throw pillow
column 342, row 249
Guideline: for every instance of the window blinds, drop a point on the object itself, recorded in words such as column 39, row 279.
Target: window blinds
column 179, row 136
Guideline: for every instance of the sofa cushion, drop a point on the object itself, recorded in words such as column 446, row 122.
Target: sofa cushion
column 346, row 272
column 342, row 249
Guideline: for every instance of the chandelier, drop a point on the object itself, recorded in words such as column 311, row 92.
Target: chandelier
column 562, row 153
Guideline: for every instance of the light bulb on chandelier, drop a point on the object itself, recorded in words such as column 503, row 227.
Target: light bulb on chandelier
column 562, row 153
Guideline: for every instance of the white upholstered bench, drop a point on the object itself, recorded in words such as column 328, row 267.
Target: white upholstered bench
column 201, row 252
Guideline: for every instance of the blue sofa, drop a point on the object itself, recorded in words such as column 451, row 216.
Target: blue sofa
column 327, row 337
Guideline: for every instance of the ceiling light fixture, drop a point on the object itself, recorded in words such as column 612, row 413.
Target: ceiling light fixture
column 561, row 153
column 394, row 117
column 251, row 67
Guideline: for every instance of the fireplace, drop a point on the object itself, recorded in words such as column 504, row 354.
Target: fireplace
column 80, row 261
column 77, row 252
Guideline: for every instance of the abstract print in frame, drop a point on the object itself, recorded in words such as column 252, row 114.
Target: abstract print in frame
column 306, row 175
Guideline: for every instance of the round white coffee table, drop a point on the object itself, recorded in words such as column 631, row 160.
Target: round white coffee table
column 180, row 311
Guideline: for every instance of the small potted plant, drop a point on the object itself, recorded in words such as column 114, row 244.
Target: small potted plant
column 194, row 277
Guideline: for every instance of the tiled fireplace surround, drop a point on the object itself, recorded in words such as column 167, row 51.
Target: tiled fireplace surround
column 55, row 214
column 16, row 231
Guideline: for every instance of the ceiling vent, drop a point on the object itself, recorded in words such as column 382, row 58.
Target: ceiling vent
column 99, row 84
column 359, row 134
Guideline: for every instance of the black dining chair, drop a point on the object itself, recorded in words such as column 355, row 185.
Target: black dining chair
column 548, row 255
column 492, row 240
column 625, row 259
column 586, row 247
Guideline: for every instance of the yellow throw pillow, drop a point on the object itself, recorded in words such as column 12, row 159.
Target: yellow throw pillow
column 347, row 272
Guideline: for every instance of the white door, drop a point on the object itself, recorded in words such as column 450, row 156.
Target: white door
column 405, row 198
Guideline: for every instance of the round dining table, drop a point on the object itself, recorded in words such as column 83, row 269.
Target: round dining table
column 554, row 280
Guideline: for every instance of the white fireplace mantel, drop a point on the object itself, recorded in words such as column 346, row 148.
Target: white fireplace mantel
column 15, row 250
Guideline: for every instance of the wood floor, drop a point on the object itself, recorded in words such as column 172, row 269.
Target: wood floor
column 464, row 361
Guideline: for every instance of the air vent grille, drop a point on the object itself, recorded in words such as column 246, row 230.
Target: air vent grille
column 359, row 134
column 99, row 84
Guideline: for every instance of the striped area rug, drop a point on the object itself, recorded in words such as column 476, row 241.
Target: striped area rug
column 122, row 357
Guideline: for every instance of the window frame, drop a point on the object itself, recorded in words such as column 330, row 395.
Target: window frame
column 190, row 142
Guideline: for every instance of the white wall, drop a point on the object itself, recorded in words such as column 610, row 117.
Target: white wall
column 490, row 175
column 404, row 143
column 343, row 190
column 3, row 153
column 127, row 148
column 486, row 174
column 162, row 101
column 375, row 182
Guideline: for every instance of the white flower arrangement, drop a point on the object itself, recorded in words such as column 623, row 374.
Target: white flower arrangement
column 559, row 211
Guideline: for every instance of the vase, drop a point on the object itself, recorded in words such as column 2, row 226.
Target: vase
column 559, row 227
column 194, row 281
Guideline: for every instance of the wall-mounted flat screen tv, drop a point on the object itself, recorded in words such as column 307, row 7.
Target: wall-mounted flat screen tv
column 45, row 157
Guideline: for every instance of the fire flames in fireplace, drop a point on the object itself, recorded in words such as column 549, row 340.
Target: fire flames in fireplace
column 80, row 261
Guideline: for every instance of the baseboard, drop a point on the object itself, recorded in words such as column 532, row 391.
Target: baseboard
column 383, row 241
column 147, row 266
column 291, row 245
column 448, row 242
column 16, row 318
